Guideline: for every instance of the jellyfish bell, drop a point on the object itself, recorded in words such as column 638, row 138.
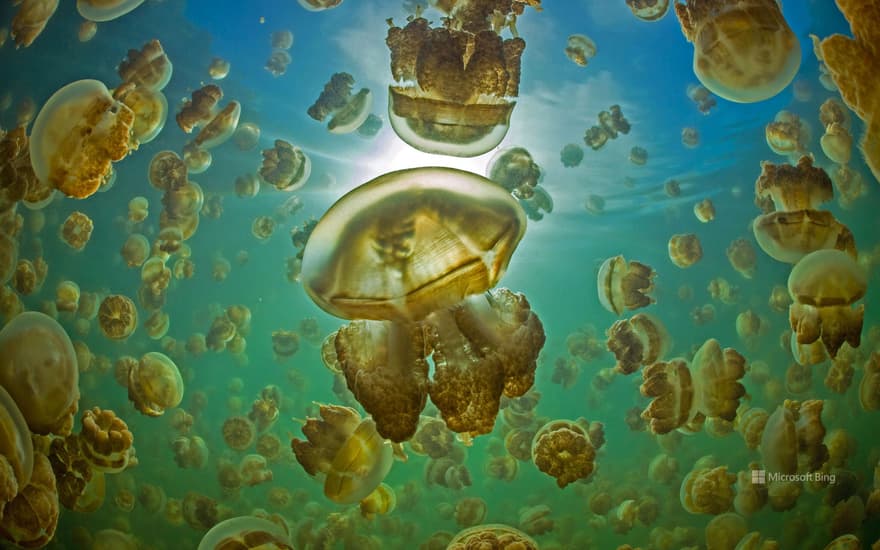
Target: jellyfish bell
column 150, row 111
column 246, row 532
column 76, row 136
column 16, row 447
column 743, row 51
column 105, row 10
column 221, row 127
column 353, row 114
column 789, row 236
column 648, row 10
column 580, row 49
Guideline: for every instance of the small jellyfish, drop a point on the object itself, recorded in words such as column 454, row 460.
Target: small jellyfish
column 685, row 250
column 571, row 155
column 595, row 205
column 117, row 316
column 705, row 210
column 690, row 138
column 318, row 5
column 105, row 10
column 565, row 450
column 239, row 432
column 148, row 68
column 625, row 285
column 263, row 227
column 218, row 69
column 155, row 384
column 580, row 49
column 246, row 136
column 278, row 62
column 742, row 257
column 138, row 209
column 347, row 449
column 787, row 135
column 199, row 110
column 247, row 186
column 86, row 31
column 708, row 490
column 702, row 97
column 220, row 128
column 78, row 133
column 514, row 169
column 640, row 340
column 285, row 344
column 672, row 188
column 742, row 52
column 648, row 10
column 150, row 112
column 30, row 519
column 347, row 111
column 30, row 20
column 76, row 230
column 282, row 40
column 638, row 156
column 285, row 166
column 105, row 440
column 381, row 501
column 837, row 143
column 196, row 159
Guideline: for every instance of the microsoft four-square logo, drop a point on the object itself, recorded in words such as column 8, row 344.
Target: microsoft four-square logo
column 759, row 477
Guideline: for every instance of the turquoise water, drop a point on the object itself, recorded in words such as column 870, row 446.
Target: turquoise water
column 645, row 68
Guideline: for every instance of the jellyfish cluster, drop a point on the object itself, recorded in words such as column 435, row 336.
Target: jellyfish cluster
column 611, row 124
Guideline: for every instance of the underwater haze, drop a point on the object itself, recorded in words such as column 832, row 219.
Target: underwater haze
column 369, row 274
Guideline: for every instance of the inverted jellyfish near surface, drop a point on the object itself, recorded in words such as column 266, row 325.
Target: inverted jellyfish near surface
column 346, row 111
column 399, row 256
column 456, row 84
column 743, row 51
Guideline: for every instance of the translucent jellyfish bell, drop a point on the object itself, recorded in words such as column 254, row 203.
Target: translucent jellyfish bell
column 319, row 5
column 580, row 49
column 744, row 51
column 245, row 532
column 105, row 10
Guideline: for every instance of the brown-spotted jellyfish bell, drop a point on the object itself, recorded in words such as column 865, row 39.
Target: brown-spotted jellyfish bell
column 639, row 340
column 246, row 532
column 788, row 135
column 709, row 388
column 285, row 166
column 623, row 285
column 792, row 225
column 346, row 450
column 648, row 10
column 825, row 285
column 566, row 450
column 455, row 83
column 401, row 256
column 744, row 51
column 346, row 111
column 76, row 136
column 611, row 124
column 580, row 49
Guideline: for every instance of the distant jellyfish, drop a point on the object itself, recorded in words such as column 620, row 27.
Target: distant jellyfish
column 30, row 20
column 742, row 52
column 319, row 5
column 571, row 155
column 245, row 532
column 566, row 450
column 690, row 137
column 515, row 170
column 837, row 143
column 648, row 10
column 595, row 205
column 672, row 188
column 624, row 285
column 346, row 111
column 220, row 128
column 246, row 136
column 580, row 49
column 705, row 210
column 218, row 69
column 638, row 156
column 702, row 97
column 685, row 250
column 148, row 68
column 285, row 166
column 105, row 10
column 87, row 30
column 278, row 62
column 282, row 39
column 117, row 316
column 155, row 384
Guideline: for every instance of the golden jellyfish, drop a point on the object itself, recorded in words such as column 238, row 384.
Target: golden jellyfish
column 263, row 227
column 254, row 470
column 504, row 467
column 246, row 136
column 580, row 49
column 638, row 156
column 787, row 188
column 86, row 31
column 155, row 384
column 285, row 344
column 705, row 210
column 117, row 316
column 30, row 519
column 76, row 136
column 200, row 109
column 648, row 10
column 663, row 468
column 425, row 302
column 836, row 143
column 347, row 111
column 513, row 169
column 239, row 432
column 455, row 84
column 690, row 137
column 16, row 449
column 685, row 250
column 381, row 501
column 202, row 512
column 246, row 532
column 869, row 387
column 724, row 531
column 156, row 324
column 285, row 166
column 105, row 440
column 571, row 155
column 750, row 424
column 190, row 451
column 611, row 123
column 742, row 257
column 315, row 5
column 493, row 535
column 220, row 128
column 282, row 40
column 76, row 230
column 150, row 109
column 105, row 10
column 639, row 340
column 347, row 449
column 625, row 285
column 218, row 69
column 787, row 135
column 167, row 171
column 850, row 62
column 38, row 368
column 535, row 520
column 707, row 490
column 566, row 450
column 247, row 186
column 824, row 285
column 743, row 52
column 278, row 62
column 196, row 159
column 30, row 20
column 138, row 209
column 844, row 542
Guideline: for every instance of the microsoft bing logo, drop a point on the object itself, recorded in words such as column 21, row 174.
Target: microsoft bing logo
column 759, row 477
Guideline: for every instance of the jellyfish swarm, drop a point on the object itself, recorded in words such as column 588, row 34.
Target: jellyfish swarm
column 744, row 51
column 402, row 254
column 455, row 83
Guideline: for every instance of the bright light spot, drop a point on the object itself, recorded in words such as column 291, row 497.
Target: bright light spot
column 400, row 156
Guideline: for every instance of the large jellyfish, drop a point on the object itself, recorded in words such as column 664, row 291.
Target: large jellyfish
column 456, row 82
column 744, row 50
column 402, row 253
